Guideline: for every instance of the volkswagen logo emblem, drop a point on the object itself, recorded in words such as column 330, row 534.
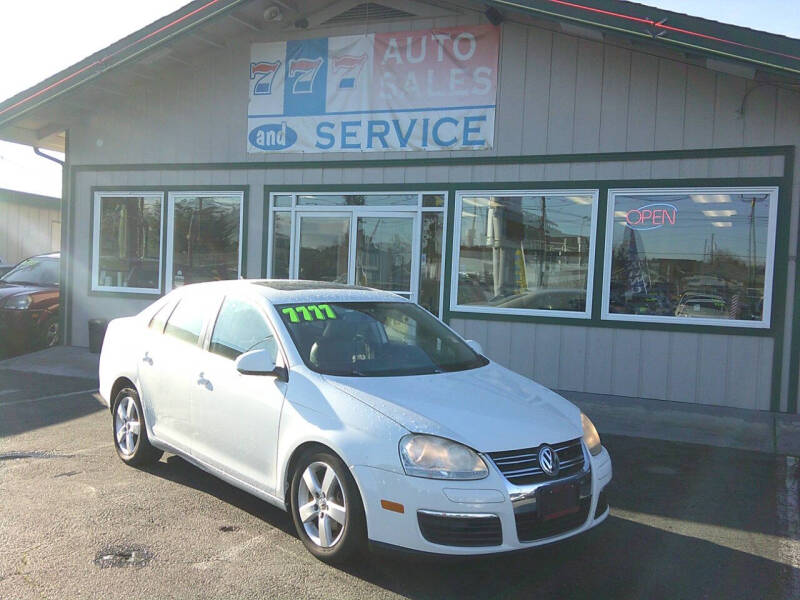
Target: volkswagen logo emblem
column 548, row 461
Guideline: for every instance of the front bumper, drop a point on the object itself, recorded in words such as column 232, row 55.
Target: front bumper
column 482, row 500
column 18, row 328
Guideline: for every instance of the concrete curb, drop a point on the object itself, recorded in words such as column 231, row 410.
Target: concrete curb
column 776, row 433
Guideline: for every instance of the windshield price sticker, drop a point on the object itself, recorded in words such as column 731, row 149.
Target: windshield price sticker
column 309, row 312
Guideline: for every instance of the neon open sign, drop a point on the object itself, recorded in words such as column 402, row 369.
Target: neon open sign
column 651, row 216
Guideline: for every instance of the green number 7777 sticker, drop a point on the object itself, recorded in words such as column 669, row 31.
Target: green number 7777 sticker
column 310, row 312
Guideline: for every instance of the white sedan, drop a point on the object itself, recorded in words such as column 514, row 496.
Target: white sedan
column 357, row 411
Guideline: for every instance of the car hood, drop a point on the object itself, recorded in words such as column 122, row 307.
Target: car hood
column 12, row 289
column 489, row 409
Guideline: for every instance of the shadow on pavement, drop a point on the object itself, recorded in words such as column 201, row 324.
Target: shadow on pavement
column 738, row 489
column 31, row 400
column 619, row 559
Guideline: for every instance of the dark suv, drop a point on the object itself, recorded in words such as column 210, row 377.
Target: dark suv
column 29, row 305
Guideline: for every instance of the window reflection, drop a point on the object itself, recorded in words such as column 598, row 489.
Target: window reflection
column 689, row 255
column 130, row 242
column 205, row 239
column 525, row 251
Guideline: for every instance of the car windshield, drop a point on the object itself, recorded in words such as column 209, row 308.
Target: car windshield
column 36, row 271
column 375, row 339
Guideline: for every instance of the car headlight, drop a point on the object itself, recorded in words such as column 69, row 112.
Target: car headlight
column 439, row 458
column 590, row 436
column 21, row 302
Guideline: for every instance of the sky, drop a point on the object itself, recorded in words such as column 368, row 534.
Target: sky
column 38, row 39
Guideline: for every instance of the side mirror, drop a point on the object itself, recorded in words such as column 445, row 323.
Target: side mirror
column 260, row 362
column 475, row 346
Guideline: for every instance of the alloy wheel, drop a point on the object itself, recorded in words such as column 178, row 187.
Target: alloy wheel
column 51, row 335
column 321, row 504
column 127, row 425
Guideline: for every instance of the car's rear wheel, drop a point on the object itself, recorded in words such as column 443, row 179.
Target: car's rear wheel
column 130, row 432
column 326, row 507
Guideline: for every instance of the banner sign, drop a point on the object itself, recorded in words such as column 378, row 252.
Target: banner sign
column 412, row 90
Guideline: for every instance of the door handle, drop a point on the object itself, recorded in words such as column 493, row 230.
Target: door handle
column 201, row 380
column 146, row 358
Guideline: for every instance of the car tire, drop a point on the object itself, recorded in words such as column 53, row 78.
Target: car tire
column 51, row 333
column 129, row 431
column 317, row 513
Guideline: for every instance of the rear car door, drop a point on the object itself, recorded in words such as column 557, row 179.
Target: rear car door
column 236, row 416
column 174, row 360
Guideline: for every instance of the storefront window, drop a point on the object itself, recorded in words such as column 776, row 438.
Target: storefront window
column 525, row 251
column 700, row 256
column 206, row 234
column 127, row 242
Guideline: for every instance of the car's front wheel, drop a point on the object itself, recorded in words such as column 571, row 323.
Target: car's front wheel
column 326, row 507
column 130, row 432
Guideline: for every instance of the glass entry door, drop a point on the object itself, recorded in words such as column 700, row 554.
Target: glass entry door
column 359, row 247
column 323, row 247
column 384, row 252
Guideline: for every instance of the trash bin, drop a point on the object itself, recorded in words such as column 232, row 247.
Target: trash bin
column 97, row 331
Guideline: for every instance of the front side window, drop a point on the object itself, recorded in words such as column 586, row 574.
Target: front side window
column 375, row 339
column 240, row 328
column 205, row 238
column 520, row 252
column 695, row 256
column 127, row 242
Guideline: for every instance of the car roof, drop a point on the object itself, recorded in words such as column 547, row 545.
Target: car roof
column 291, row 291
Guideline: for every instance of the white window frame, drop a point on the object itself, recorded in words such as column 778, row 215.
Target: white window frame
column 766, row 317
column 455, row 307
column 170, row 226
column 355, row 212
column 97, row 210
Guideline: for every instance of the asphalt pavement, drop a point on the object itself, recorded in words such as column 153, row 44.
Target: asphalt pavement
column 687, row 521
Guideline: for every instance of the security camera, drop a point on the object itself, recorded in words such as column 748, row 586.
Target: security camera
column 273, row 13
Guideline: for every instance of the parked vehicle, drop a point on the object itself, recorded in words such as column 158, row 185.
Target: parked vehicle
column 29, row 305
column 4, row 266
column 358, row 412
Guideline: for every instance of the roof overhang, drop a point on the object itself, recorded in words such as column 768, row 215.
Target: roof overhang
column 693, row 35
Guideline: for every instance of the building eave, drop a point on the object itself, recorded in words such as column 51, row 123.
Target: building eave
column 692, row 35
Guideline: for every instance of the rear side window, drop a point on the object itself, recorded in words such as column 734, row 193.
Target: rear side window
column 240, row 328
column 186, row 321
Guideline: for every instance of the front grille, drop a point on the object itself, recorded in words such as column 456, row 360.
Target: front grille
column 521, row 467
column 531, row 527
column 455, row 530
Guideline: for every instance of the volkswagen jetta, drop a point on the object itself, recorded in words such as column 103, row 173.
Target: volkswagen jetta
column 356, row 410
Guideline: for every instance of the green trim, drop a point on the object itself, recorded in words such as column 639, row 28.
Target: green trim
column 794, row 353
column 447, row 252
column 780, row 279
column 165, row 223
column 431, row 161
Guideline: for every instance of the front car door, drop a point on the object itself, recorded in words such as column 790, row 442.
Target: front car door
column 236, row 416
column 174, row 358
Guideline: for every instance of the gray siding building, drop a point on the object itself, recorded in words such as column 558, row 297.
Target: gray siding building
column 602, row 194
